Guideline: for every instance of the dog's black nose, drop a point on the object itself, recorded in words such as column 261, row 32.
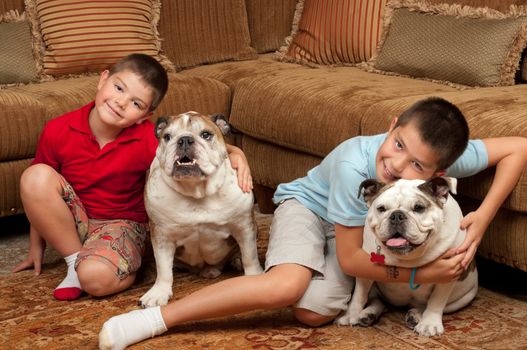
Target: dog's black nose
column 397, row 217
column 185, row 142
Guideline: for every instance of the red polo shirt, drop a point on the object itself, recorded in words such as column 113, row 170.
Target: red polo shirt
column 109, row 181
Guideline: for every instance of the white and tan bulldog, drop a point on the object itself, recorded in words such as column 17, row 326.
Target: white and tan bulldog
column 197, row 211
column 411, row 223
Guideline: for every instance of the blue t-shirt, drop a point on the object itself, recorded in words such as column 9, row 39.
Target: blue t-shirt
column 331, row 189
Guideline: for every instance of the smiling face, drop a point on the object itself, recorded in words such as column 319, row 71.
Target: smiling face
column 404, row 155
column 122, row 99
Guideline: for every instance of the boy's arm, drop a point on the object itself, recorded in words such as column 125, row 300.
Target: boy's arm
column 354, row 261
column 240, row 164
column 509, row 155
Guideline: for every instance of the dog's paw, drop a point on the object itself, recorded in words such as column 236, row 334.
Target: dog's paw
column 430, row 326
column 347, row 319
column 156, row 296
column 412, row 318
column 367, row 319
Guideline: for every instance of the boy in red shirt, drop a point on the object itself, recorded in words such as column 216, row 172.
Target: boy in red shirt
column 83, row 194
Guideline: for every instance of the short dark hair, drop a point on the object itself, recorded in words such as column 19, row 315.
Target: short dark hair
column 149, row 69
column 441, row 125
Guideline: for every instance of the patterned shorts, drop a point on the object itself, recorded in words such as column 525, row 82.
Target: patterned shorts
column 118, row 243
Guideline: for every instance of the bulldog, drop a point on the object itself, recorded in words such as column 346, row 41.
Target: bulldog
column 409, row 224
column 198, row 213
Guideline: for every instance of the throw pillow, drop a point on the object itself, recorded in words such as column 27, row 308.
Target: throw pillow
column 17, row 65
column 334, row 32
column 86, row 37
column 452, row 44
column 269, row 23
column 205, row 31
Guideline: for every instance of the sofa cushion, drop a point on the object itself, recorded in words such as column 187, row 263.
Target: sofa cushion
column 10, row 172
column 269, row 23
column 490, row 112
column 17, row 64
column 193, row 93
column 453, row 44
column 22, row 118
column 334, row 31
column 202, row 31
column 232, row 72
column 73, row 38
column 313, row 110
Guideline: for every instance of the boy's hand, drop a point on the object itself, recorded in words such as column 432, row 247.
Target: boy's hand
column 444, row 269
column 34, row 257
column 475, row 225
column 240, row 164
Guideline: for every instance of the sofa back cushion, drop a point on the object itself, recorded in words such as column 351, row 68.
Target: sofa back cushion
column 269, row 23
column 7, row 5
column 197, row 32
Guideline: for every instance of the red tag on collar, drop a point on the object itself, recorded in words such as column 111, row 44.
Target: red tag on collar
column 377, row 258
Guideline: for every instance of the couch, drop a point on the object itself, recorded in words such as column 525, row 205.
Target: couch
column 286, row 116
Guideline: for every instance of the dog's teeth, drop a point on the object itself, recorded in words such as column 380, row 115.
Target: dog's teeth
column 178, row 162
column 193, row 162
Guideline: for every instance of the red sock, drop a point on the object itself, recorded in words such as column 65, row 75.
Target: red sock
column 69, row 293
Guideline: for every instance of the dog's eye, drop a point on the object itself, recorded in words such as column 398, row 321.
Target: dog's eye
column 167, row 137
column 206, row 135
column 419, row 208
column 381, row 209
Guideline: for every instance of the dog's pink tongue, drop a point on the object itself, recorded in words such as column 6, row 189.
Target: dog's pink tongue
column 396, row 242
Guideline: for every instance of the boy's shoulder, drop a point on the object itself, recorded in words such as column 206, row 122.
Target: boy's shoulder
column 360, row 146
column 70, row 117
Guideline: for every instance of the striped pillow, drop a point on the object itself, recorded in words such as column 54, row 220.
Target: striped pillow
column 78, row 37
column 334, row 31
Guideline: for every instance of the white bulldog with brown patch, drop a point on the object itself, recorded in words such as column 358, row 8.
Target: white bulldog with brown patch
column 411, row 223
column 198, row 213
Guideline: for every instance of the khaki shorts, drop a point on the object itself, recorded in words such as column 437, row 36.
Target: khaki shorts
column 118, row 243
column 299, row 236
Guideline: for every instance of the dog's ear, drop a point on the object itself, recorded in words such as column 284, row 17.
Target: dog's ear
column 369, row 189
column 222, row 123
column 161, row 123
column 439, row 187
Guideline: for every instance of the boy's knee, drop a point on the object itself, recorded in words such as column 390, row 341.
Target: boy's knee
column 311, row 318
column 96, row 278
column 36, row 177
column 285, row 292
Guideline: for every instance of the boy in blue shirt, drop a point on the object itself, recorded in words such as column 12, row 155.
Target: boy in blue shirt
column 315, row 240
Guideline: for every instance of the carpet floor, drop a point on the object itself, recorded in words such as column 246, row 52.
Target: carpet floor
column 31, row 319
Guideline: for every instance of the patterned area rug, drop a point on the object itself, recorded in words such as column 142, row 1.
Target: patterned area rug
column 31, row 319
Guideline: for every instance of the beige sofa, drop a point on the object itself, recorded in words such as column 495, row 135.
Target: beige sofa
column 288, row 116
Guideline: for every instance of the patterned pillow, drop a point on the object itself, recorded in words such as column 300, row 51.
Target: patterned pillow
column 334, row 32
column 17, row 65
column 77, row 38
column 452, row 44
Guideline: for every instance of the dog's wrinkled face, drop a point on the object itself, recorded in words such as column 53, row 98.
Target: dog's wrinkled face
column 191, row 145
column 406, row 214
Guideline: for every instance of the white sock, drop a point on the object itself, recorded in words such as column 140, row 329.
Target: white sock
column 70, row 287
column 126, row 329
